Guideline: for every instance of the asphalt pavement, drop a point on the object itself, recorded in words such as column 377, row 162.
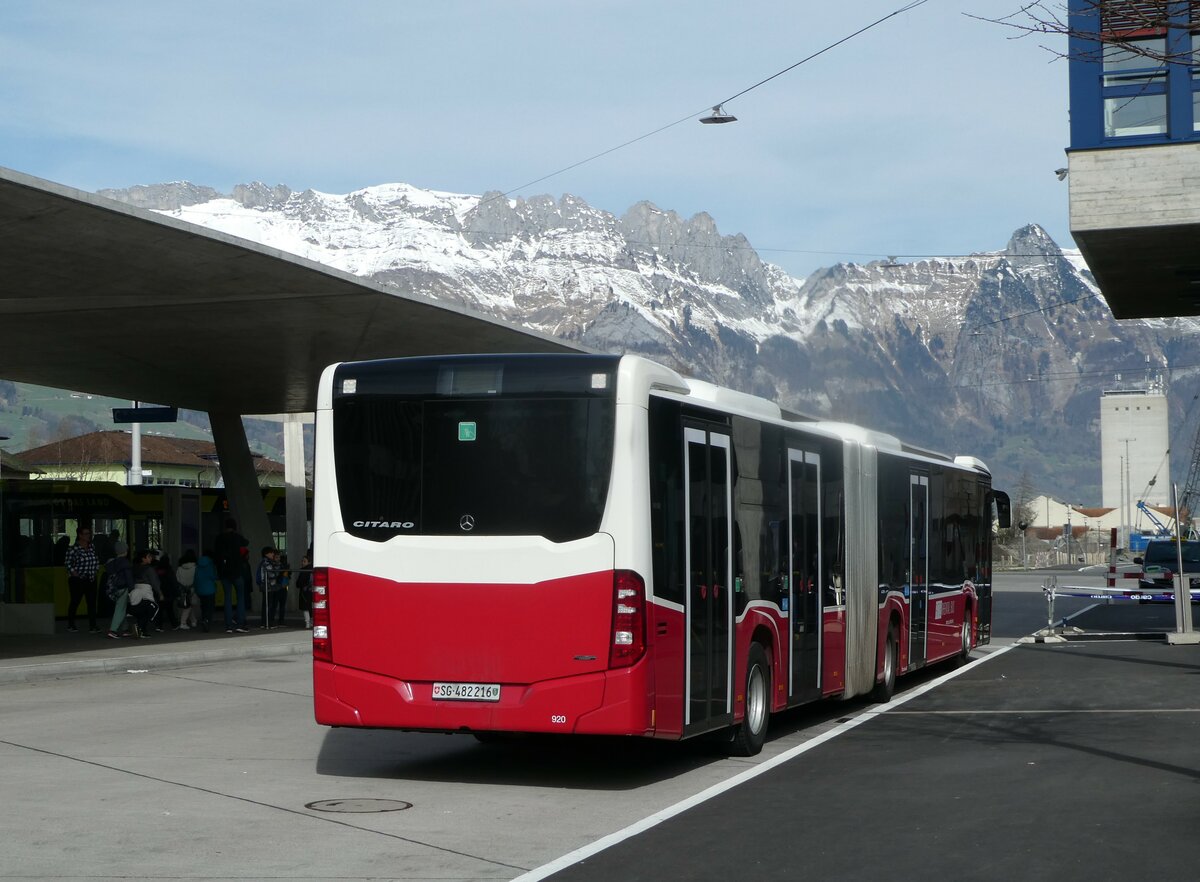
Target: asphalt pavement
column 1075, row 759
column 1043, row 761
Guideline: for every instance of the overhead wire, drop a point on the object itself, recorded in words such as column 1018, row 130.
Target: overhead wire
column 909, row 7
column 845, row 39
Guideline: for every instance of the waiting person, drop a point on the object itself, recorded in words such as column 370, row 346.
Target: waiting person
column 82, row 564
column 170, row 590
column 227, row 555
column 146, row 594
column 189, row 603
column 304, row 590
column 118, row 577
column 279, row 598
column 267, row 579
column 205, row 586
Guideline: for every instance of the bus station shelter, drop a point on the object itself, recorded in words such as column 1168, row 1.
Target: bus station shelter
column 97, row 296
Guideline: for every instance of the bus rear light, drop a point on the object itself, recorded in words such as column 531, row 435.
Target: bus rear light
column 322, row 638
column 629, row 619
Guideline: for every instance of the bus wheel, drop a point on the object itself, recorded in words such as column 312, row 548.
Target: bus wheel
column 891, row 660
column 749, row 735
column 966, row 638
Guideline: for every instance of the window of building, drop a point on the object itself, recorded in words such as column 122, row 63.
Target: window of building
column 1195, row 21
column 1125, row 116
column 1135, row 62
column 1135, row 71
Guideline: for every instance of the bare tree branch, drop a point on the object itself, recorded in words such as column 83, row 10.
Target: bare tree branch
column 1133, row 25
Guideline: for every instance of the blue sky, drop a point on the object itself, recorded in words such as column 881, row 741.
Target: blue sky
column 933, row 133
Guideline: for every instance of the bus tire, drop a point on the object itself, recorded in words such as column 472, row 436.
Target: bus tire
column 751, row 733
column 884, row 689
column 965, row 654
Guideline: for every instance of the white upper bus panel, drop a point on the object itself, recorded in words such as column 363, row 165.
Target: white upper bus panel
column 728, row 399
column 851, row 432
column 970, row 462
column 637, row 376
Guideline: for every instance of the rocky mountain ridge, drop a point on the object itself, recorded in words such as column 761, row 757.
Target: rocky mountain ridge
column 1000, row 354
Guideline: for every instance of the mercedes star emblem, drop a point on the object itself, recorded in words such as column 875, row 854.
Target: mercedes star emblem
column 466, row 523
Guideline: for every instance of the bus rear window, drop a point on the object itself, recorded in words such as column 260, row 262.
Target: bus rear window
column 468, row 466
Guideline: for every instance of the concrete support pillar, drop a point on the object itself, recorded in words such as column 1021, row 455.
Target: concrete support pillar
column 241, row 481
column 293, row 473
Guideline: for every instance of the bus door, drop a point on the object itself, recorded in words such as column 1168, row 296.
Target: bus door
column 709, row 596
column 918, row 569
column 804, row 574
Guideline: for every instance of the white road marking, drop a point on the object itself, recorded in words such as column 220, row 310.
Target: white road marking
column 715, row 790
column 1132, row 710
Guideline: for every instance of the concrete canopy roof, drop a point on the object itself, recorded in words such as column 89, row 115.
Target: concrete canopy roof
column 1148, row 272
column 101, row 297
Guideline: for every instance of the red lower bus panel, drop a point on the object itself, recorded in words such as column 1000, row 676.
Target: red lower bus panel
column 667, row 625
column 610, row 703
column 833, row 652
column 545, row 644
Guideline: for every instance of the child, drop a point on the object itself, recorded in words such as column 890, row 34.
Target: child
column 205, row 585
column 189, row 602
column 267, row 579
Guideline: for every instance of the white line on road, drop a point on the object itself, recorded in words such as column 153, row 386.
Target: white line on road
column 1132, row 710
column 715, row 790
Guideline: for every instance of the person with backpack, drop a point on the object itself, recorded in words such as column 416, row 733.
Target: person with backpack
column 146, row 594
column 189, row 604
column 118, row 579
column 227, row 555
column 205, row 585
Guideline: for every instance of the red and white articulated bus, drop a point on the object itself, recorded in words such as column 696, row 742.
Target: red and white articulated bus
column 594, row 544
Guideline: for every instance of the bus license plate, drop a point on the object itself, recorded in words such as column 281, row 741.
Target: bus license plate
column 466, row 691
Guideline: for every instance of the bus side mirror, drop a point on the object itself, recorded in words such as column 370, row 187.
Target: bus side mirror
column 1003, row 509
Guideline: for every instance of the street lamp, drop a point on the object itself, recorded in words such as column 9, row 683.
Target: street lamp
column 718, row 117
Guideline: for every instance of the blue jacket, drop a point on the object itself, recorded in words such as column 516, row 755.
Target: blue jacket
column 205, row 584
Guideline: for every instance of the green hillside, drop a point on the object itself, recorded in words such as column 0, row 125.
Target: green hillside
column 35, row 415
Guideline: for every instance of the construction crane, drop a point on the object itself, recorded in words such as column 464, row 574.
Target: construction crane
column 1161, row 529
column 1190, row 494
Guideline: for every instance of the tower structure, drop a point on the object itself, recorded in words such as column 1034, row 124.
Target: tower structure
column 1134, row 440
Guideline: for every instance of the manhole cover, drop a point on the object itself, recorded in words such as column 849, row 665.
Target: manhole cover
column 358, row 805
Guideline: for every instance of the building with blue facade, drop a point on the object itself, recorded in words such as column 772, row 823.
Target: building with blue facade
column 1134, row 158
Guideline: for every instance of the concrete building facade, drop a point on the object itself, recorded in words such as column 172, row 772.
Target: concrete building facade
column 1134, row 440
column 1134, row 159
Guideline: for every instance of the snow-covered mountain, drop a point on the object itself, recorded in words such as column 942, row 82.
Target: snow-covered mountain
column 1000, row 354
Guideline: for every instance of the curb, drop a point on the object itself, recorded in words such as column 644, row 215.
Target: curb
column 149, row 662
column 1096, row 637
